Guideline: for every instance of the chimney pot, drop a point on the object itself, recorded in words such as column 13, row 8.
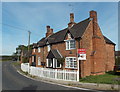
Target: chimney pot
column 48, row 26
column 51, row 30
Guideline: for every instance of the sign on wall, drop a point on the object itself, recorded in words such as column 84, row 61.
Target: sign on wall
column 82, row 54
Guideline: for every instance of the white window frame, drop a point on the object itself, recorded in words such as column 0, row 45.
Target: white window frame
column 39, row 61
column 34, row 50
column 48, row 48
column 55, row 61
column 39, row 49
column 32, row 58
column 68, row 62
column 68, row 43
column 48, row 63
column 56, row 64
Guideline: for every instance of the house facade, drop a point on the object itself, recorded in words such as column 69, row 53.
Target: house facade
column 60, row 50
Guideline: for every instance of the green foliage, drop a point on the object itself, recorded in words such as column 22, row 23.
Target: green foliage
column 25, row 59
column 61, row 60
column 108, row 78
column 16, row 63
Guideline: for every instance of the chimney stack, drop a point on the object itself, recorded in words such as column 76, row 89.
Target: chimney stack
column 93, row 14
column 49, row 31
column 71, row 23
column 71, row 17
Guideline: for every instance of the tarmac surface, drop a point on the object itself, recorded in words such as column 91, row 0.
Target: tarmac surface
column 15, row 81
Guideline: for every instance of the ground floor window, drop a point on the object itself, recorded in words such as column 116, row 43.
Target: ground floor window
column 39, row 61
column 57, row 64
column 54, row 63
column 49, row 62
column 71, row 62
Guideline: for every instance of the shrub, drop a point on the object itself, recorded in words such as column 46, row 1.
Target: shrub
column 25, row 59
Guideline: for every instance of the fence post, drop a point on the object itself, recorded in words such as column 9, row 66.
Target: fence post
column 78, row 71
column 28, row 68
column 55, row 73
column 65, row 74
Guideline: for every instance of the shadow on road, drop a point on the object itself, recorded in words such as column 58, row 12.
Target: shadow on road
column 30, row 87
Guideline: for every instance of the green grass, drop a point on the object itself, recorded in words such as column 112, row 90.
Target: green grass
column 16, row 63
column 108, row 78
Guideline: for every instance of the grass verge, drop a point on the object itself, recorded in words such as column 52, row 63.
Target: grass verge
column 16, row 63
column 108, row 78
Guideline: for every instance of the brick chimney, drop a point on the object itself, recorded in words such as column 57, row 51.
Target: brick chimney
column 71, row 17
column 49, row 31
column 93, row 15
column 71, row 23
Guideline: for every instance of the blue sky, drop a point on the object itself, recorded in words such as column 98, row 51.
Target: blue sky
column 34, row 16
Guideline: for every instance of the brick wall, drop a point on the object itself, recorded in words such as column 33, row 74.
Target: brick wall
column 86, row 42
column 110, row 57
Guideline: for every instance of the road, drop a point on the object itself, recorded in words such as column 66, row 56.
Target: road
column 12, row 80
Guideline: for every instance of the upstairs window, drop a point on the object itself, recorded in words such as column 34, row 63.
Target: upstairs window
column 48, row 48
column 70, row 44
column 39, row 49
column 34, row 50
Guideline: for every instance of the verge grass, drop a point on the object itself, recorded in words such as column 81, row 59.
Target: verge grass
column 108, row 78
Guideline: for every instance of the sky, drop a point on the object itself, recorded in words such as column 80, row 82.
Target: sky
column 20, row 17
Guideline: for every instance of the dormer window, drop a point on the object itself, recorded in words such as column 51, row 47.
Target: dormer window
column 48, row 47
column 70, row 44
column 39, row 49
column 34, row 50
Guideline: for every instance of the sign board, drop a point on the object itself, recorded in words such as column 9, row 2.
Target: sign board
column 82, row 54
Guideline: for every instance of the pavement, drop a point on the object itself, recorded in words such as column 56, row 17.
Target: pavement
column 19, row 81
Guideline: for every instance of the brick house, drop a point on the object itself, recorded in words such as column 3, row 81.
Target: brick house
column 64, row 45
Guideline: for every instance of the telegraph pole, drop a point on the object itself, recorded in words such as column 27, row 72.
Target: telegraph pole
column 29, row 41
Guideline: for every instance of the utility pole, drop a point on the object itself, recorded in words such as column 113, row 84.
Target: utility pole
column 29, row 41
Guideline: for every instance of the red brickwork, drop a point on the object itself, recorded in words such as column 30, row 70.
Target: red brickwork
column 100, row 55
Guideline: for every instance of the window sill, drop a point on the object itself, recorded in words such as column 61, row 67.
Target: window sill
column 69, row 68
column 71, row 49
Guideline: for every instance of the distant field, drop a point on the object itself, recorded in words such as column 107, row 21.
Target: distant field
column 5, row 58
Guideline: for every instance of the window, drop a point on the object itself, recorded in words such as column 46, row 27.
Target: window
column 32, row 58
column 49, row 62
column 70, row 44
column 39, row 61
column 34, row 50
column 48, row 47
column 71, row 62
column 56, row 63
column 39, row 49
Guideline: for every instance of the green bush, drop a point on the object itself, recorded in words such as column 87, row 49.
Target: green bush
column 25, row 59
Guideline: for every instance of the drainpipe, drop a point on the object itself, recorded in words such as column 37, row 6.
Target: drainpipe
column 78, row 72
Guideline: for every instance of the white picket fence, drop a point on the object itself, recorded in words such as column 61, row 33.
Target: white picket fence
column 58, row 74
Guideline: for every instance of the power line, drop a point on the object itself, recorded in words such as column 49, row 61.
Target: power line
column 18, row 28
column 29, row 41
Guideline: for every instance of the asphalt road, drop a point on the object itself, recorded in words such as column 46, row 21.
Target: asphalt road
column 12, row 80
